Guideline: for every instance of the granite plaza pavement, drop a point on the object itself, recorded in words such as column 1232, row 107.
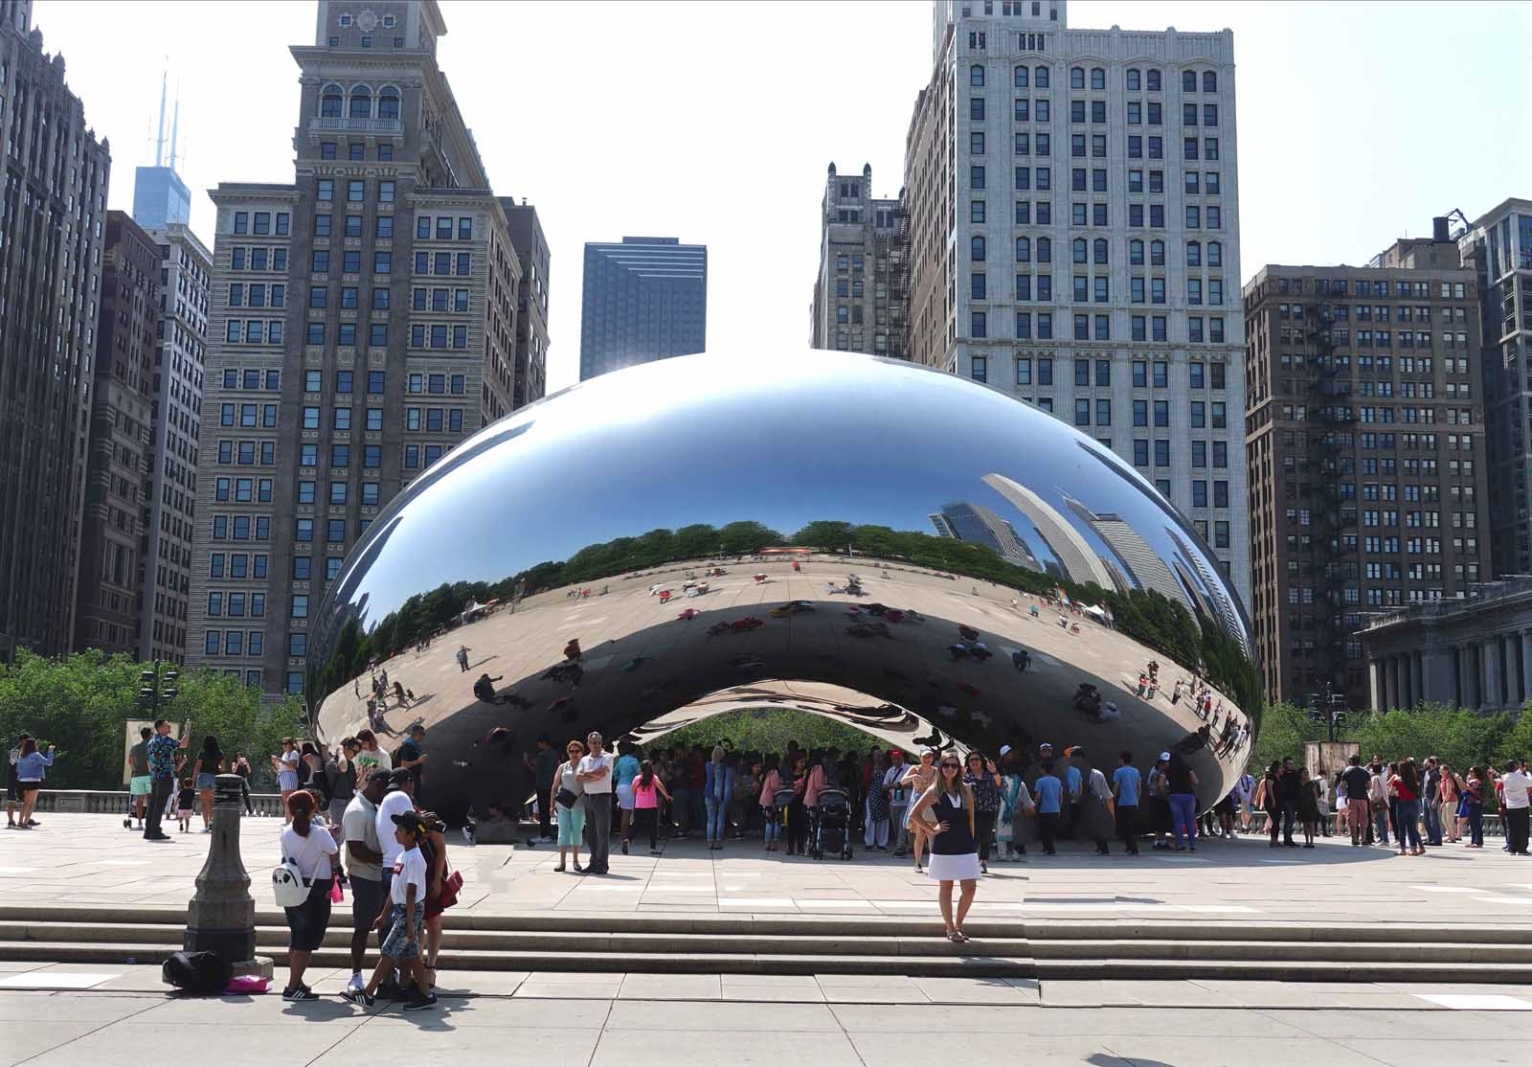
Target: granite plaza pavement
column 79, row 1014
column 87, row 861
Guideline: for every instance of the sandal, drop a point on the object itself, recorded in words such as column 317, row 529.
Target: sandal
column 951, row 935
column 960, row 937
column 560, row 869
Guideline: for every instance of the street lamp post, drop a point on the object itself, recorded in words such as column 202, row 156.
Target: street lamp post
column 221, row 915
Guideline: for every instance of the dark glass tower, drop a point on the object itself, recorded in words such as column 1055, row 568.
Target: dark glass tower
column 644, row 299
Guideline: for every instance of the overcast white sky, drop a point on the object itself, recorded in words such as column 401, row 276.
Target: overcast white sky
column 714, row 122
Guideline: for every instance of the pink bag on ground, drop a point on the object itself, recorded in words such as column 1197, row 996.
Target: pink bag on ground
column 246, row 984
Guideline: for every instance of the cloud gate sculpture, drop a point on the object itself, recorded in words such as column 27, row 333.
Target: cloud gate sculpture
column 916, row 554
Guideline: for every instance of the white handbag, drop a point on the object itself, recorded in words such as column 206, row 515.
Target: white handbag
column 287, row 884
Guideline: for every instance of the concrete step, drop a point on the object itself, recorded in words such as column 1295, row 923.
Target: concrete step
column 481, row 943
column 1423, row 969
column 824, row 927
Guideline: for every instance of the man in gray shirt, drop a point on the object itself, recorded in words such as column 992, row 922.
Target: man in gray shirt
column 364, row 866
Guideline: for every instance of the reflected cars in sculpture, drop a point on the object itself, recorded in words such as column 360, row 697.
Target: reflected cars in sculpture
column 922, row 556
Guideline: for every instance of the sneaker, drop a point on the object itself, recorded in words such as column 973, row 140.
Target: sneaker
column 420, row 1003
column 357, row 996
column 356, row 984
column 299, row 994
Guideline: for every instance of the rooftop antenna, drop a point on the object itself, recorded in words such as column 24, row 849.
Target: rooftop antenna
column 159, row 141
column 175, row 128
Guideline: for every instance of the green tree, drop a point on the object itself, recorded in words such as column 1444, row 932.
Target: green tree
column 769, row 730
column 1284, row 729
column 81, row 704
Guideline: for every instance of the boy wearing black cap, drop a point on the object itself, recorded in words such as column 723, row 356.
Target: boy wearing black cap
column 406, row 921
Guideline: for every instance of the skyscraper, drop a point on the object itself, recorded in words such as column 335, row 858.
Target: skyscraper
column 1498, row 247
column 121, row 441
column 531, row 381
column 861, row 298
column 643, row 299
column 180, row 357
column 1074, row 238
column 53, row 220
column 160, row 197
column 364, row 321
column 1366, row 452
column 976, row 524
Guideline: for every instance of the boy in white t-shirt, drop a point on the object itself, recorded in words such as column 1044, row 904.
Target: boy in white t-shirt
column 406, row 923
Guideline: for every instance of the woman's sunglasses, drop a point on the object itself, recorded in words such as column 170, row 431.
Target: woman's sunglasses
column 952, row 766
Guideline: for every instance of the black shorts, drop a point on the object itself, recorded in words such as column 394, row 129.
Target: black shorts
column 366, row 902
column 309, row 920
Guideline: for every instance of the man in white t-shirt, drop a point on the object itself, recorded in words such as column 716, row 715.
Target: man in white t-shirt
column 594, row 772
column 400, row 799
column 1516, row 784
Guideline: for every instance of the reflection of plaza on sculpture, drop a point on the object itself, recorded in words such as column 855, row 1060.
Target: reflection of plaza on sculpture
column 637, row 654
column 693, row 572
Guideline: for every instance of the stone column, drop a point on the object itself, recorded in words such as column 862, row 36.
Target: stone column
column 221, row 916
column 1490, row 698
column 1391, row 682
column 1526, row 665
column 1375, row 684
column 1418, row 678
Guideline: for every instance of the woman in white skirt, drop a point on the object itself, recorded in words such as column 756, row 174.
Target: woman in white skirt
column 954, row 849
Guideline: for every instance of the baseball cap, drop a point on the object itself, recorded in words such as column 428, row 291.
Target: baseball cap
column 1164, row 755
column 1045, row 745
column 411, row 821
column 399, row 776
column 378, row 774
column 1005, row 750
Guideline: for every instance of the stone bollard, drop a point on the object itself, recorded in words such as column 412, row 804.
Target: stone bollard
column 221, row 917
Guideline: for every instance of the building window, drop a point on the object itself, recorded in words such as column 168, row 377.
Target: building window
column 388, row 102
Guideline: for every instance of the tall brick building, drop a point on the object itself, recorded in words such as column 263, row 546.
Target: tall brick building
column 52, row 235
column 121, row 441
column 1364, row 411
column 363, row 322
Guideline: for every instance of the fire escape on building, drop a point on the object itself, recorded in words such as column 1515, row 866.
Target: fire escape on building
column 1328, row 442
column 892, row 246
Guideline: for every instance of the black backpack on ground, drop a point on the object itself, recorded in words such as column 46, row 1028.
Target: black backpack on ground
column 199, row 974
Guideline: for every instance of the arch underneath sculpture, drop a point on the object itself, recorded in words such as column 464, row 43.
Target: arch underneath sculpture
column 768, row 633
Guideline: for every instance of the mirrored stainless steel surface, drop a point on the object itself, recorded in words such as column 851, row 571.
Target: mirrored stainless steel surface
column 862, row 538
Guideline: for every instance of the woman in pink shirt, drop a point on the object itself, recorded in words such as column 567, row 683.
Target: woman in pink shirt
column 647, row 790
column 768, row 803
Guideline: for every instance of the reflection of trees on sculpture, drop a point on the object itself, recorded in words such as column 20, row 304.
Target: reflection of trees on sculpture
column 1146, row 616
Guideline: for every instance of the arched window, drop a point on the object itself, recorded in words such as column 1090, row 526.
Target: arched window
column 1022, row 77
column 1188, row 81
column 1135, row 80
column 388, row 103
column 1040, row 77
column 331, row 102
column 1136, row 253
column 1209, row 81
column 1077, row 77
column 1194, row 253
column 361, row 102
column 1097, row 78
column 1045, row 250
column 1156, row 253
column 1023, row 250
column 976, row 249
column 1152, row 80
column 1098, row 250
column 1079, row 249
column 976, row 76
column 1215, row 253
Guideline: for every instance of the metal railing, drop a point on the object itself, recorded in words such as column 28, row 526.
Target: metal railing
column 119, row 802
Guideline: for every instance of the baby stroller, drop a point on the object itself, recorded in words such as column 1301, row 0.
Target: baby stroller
column 781, row 800
column 832, row 825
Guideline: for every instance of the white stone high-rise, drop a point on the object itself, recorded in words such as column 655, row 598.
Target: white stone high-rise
column 1074, row 228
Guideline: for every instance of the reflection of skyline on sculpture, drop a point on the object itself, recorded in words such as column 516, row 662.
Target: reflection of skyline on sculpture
column 957, row 508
